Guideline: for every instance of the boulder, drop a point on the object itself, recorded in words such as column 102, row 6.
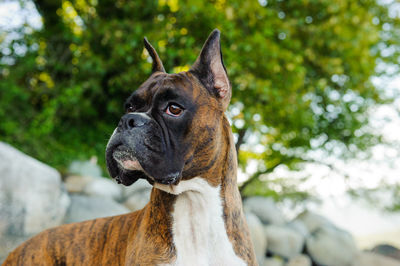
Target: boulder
column 103, row 187
column 257, row 235
column 77, row 183
column 329, row 245
column 273, row 261
column 299, row 227
column 299, row 260
column 374, row 259
column 284, row 241
column 265, row 209
column 85, row 168
column 91, row 207
column 138, row 201
column 387, row 250
column 312, row 220
column 32, row 196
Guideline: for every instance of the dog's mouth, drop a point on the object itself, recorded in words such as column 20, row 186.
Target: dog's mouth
column 123, row 156
column 126, row 169
column 123, row 166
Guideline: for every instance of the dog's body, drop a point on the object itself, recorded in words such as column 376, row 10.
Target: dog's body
column 175, row 135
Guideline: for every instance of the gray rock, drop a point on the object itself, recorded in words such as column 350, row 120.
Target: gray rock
column 299, row 227
column 138, row 201
column 265, row 209
column 300, row 260
column 86, row 208
column 373, row 259
column 257, row 235
column 77, row 183
column 139, row 186
column 387, row 250
column 331, row 246
column 32, row 196
column 284, row 241
column 313, row 221
column 104, row 188
column 85, row 168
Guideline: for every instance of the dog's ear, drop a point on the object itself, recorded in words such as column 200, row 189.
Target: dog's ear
column 157, row 64
column 210, row 70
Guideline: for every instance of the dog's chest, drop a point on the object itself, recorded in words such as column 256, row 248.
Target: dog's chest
column 199, row 233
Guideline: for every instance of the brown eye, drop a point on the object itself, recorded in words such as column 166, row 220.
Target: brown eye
column 174, row 110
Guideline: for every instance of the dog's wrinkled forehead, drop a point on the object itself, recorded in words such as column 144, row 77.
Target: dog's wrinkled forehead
column 168, row 86
column 146, row 91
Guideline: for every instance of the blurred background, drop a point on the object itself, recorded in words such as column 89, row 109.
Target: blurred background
column 315, row 106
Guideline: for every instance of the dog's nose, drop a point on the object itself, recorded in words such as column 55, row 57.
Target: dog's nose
column 132, row 120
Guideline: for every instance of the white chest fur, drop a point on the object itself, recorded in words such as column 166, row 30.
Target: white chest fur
column 199, row 232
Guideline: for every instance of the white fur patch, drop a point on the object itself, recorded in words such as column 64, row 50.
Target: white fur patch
column 198, row 228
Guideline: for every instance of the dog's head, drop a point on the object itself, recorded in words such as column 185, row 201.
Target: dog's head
column 172, row 126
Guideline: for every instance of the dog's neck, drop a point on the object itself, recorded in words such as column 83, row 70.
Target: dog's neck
column 203, row 217
column 222, row 174
column 224, row 170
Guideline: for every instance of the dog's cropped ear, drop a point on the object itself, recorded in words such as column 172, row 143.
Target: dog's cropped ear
column 210, row 70
column 157, row 64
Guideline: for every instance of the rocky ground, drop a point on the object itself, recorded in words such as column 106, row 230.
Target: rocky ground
column 33, row 197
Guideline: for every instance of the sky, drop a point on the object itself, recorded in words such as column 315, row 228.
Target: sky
column 367, row 224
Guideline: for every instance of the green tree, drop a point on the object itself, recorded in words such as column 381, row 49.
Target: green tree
column 300, row 71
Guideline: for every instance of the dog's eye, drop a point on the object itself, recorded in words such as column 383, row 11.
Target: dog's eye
column 174, row 110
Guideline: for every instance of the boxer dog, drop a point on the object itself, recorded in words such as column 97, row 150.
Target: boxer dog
column 174, row 133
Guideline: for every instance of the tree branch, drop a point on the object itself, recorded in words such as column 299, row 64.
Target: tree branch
column 256, row 175
column 240, row 141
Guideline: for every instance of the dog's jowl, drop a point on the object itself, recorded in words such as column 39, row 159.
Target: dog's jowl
column 175, row 135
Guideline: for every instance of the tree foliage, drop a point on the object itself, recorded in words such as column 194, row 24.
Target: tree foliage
column 300, row 71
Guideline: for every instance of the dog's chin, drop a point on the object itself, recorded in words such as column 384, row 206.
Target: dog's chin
column 170, row 179
column 128, row 177
column 129, row 171
column 126, row 169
